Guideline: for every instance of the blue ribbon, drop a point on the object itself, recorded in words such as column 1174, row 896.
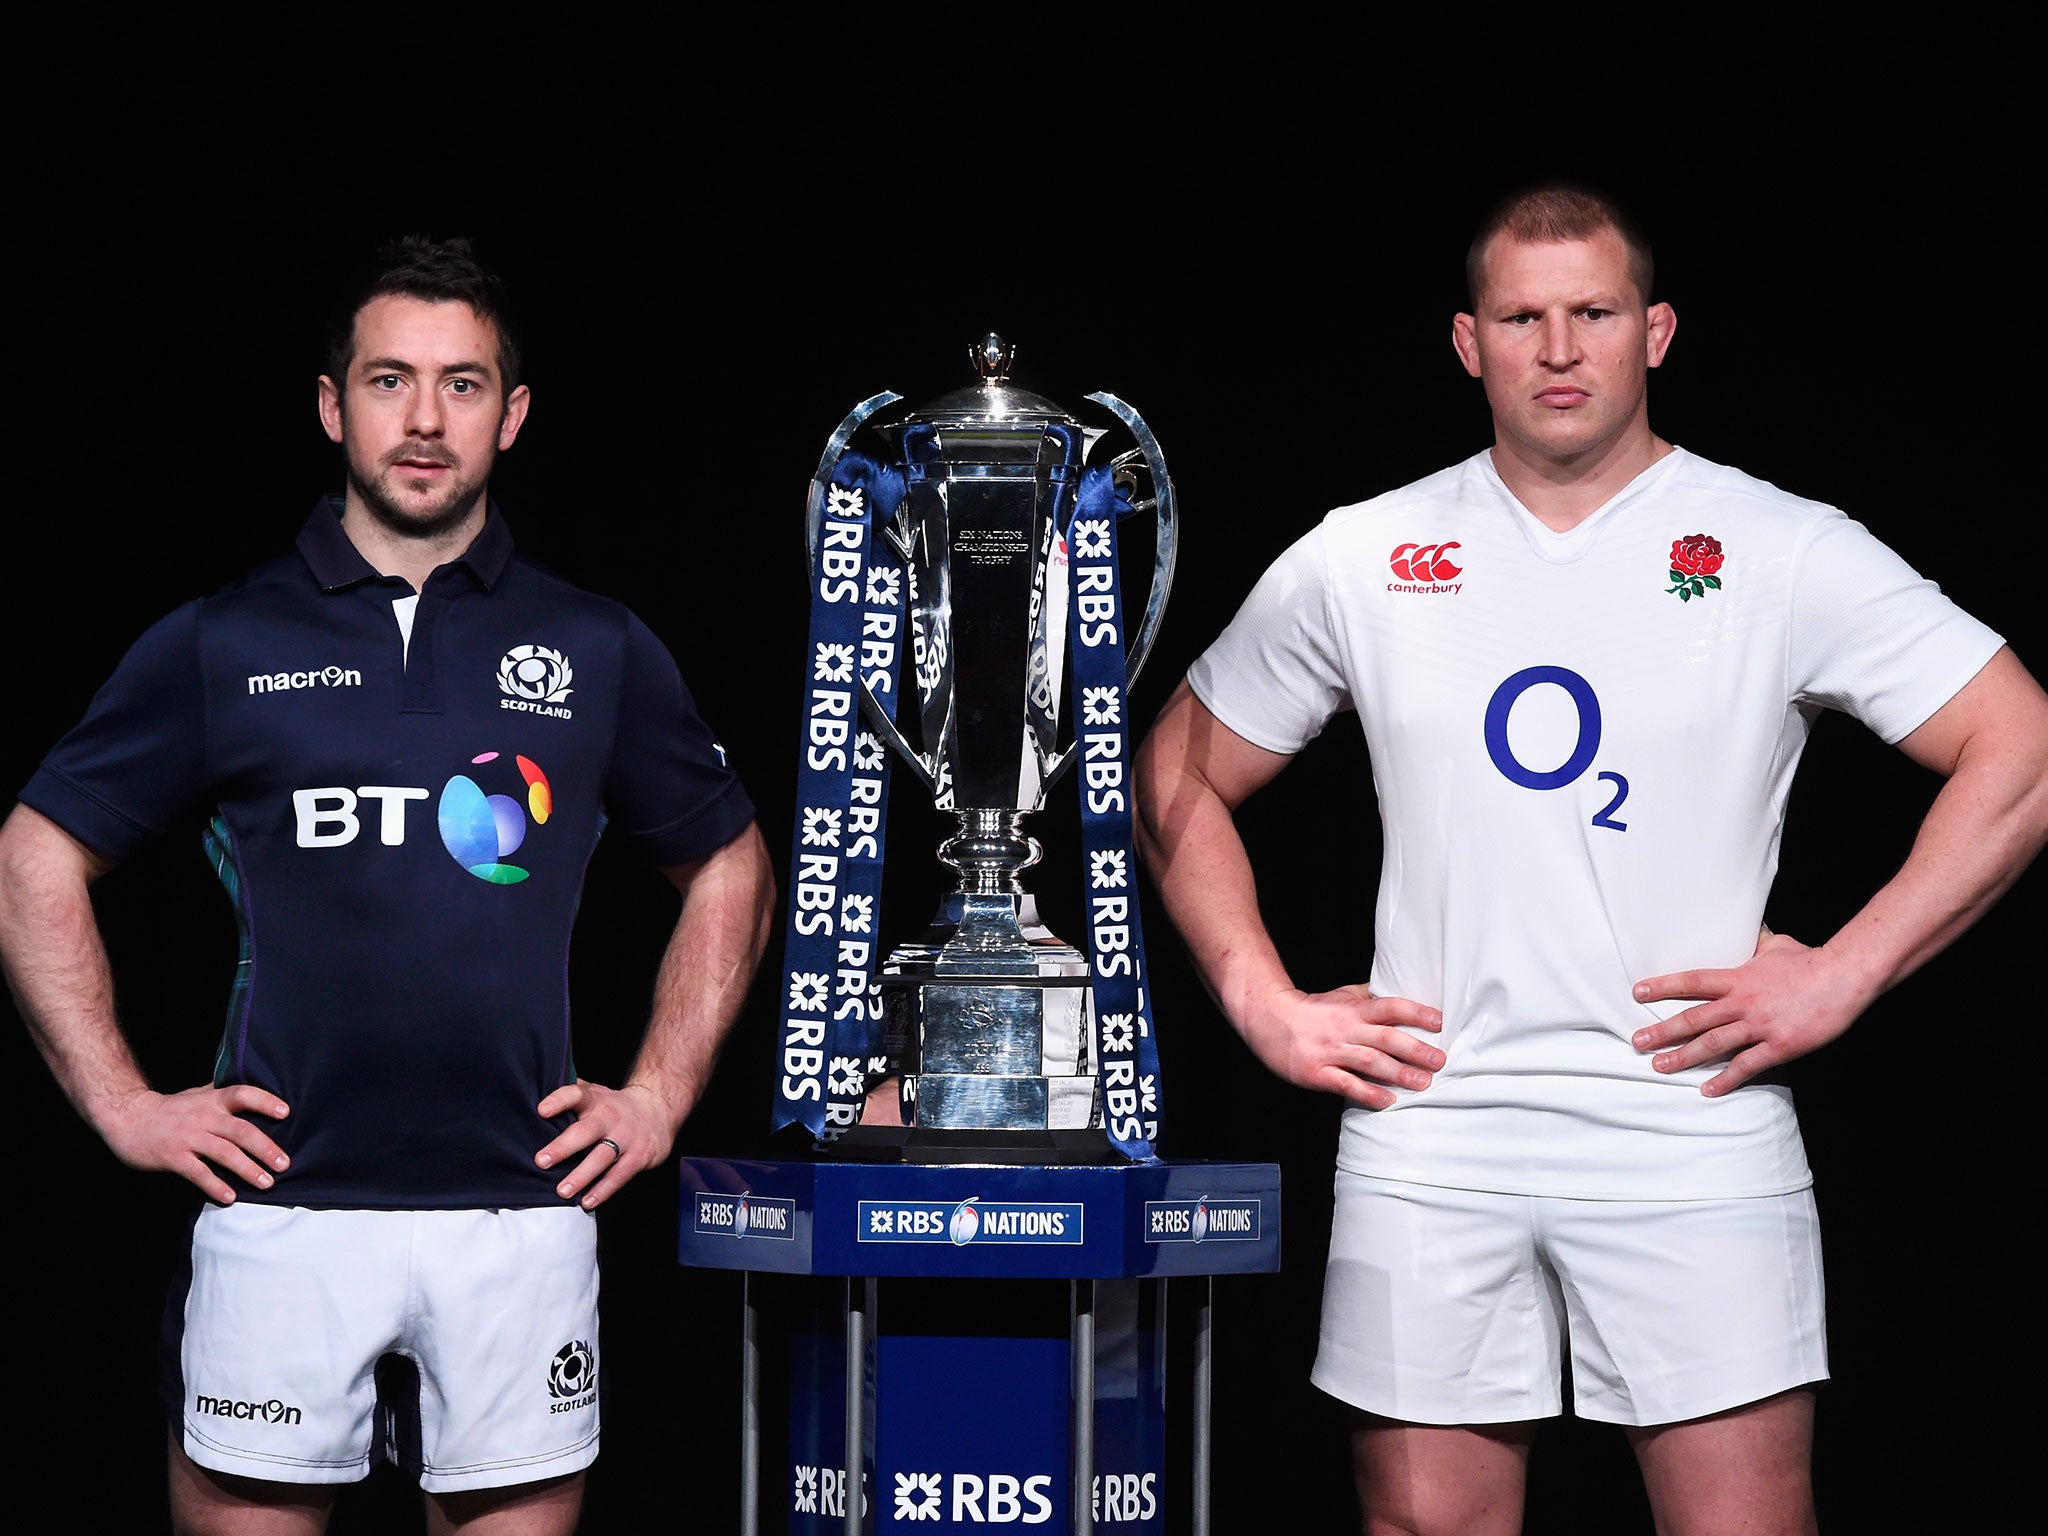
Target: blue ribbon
column 831, row 1045
column 1127, row 1052
column 831, row 1009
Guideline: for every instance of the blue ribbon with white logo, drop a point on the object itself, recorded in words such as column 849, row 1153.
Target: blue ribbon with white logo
column 1126, row 1050
column 830, row 1037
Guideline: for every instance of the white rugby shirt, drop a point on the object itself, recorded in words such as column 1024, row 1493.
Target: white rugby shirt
column 1582, row 767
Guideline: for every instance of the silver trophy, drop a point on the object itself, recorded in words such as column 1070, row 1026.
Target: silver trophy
column 987, row 1016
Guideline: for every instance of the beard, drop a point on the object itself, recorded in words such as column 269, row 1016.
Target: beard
column 411, row 515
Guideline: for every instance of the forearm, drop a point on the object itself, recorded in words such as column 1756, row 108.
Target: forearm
column 57, row 968
column 1192, row 774
column 706, row 970
column 1199, row 866
column 1987, row 823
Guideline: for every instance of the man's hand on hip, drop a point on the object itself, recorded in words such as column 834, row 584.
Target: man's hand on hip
column 1347, row 1042
column 630, row 1125
column 186, row 1133
column 1785, row 1001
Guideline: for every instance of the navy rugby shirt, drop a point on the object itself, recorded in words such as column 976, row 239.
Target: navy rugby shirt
column 403, row 829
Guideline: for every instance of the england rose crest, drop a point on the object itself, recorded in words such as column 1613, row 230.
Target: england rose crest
column 1694, row 561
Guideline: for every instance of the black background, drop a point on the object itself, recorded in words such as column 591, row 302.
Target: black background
column 724, row 238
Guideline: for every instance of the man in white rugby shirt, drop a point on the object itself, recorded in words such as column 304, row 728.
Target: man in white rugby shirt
column 1556, row 1142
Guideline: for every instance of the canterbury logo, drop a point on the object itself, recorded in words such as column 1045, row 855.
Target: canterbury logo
column 1425, row 562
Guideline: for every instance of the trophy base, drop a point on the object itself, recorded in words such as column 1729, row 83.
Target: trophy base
column 933, row 1144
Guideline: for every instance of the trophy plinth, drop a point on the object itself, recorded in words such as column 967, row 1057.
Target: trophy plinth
column 993, row 1019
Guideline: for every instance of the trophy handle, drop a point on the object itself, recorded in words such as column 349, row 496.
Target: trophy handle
column 814, row 509
column 1166, row 548
column 814, row 518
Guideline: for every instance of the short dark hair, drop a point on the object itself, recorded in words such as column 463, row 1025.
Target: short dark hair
column 440, row 272
column 1554, row 211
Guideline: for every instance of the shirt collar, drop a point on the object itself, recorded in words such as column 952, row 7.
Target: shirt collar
column 337, row 564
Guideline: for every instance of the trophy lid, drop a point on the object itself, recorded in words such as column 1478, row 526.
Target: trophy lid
column 994, row 402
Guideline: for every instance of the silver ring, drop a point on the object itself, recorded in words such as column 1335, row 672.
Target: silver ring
column 617, row 1150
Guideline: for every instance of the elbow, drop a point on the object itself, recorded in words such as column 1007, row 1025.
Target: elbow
column 1149, row 799
column 2034, row 809
column 766, row 897
column 765, row 913
column 2027, row 807
column 41, row 866
column 1145, row 827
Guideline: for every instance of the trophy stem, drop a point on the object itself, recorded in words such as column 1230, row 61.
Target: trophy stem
column 989, row 852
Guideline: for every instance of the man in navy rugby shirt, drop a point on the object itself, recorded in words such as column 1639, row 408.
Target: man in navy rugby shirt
column 408, row 739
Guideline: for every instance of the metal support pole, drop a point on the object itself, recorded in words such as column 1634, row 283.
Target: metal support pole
column 1081, row 1347
column 857, row 1305
column 750, row 1409
column 1202, row 1385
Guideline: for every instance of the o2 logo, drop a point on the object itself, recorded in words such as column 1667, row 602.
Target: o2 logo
column 1583, row 750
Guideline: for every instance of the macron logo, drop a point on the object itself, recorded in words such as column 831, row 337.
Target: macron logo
column 326, row 677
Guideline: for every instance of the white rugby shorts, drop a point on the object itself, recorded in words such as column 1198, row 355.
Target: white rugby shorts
column 459, row 1345
column 1448, row 1306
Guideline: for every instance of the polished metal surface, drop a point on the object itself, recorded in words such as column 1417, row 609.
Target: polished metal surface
column 750, row 1409
column 979, row 1102
column 1081, row 1366
column 987, row 1016
column 860, row 1312
column 1204, row 1393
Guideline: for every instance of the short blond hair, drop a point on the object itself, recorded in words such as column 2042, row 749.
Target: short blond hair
column 1553, row 211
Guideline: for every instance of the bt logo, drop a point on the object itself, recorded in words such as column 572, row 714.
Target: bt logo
column 479, row 829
